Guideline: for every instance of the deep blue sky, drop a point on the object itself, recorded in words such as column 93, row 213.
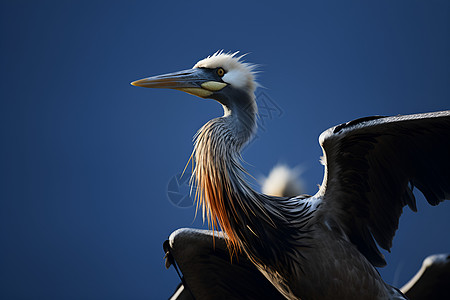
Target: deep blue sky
column 86, row 158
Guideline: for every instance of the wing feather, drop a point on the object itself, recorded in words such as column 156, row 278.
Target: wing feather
column 431, row 281
column 372, row 166
column 209, row 273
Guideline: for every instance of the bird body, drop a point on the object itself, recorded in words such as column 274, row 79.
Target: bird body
column 324, row 246
column 299, row 236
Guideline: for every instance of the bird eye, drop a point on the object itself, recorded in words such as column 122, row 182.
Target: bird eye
column 220, row 72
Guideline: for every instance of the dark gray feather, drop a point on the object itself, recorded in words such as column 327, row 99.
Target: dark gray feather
column 372, row 166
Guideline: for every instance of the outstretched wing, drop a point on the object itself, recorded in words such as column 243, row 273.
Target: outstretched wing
column 208, row 272
column 431, row 281
column 371, row 167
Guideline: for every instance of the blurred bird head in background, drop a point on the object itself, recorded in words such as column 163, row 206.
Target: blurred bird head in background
column 283, row 181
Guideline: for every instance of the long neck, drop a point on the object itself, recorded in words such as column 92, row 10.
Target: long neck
column 249, row 219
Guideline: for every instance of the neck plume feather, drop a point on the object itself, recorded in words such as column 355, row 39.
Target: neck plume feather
column 216, row 175
column 248, row 218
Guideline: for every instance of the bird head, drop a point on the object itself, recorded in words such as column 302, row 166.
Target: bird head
column 222, row 76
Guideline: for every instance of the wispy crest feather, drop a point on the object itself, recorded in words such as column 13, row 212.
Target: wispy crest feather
column 234, row 66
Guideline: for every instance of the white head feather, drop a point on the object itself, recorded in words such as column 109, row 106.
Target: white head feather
column 238, row 74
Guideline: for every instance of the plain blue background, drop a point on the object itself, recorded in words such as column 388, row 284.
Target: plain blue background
column 86, row 158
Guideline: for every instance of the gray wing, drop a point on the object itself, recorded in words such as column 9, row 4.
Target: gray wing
column 371, row 167
column 432, row 281
column 208, row 271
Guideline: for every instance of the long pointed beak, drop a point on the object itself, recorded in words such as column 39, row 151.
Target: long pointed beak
column 193, row 81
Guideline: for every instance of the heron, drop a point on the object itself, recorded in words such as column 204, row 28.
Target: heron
column 324, row 246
